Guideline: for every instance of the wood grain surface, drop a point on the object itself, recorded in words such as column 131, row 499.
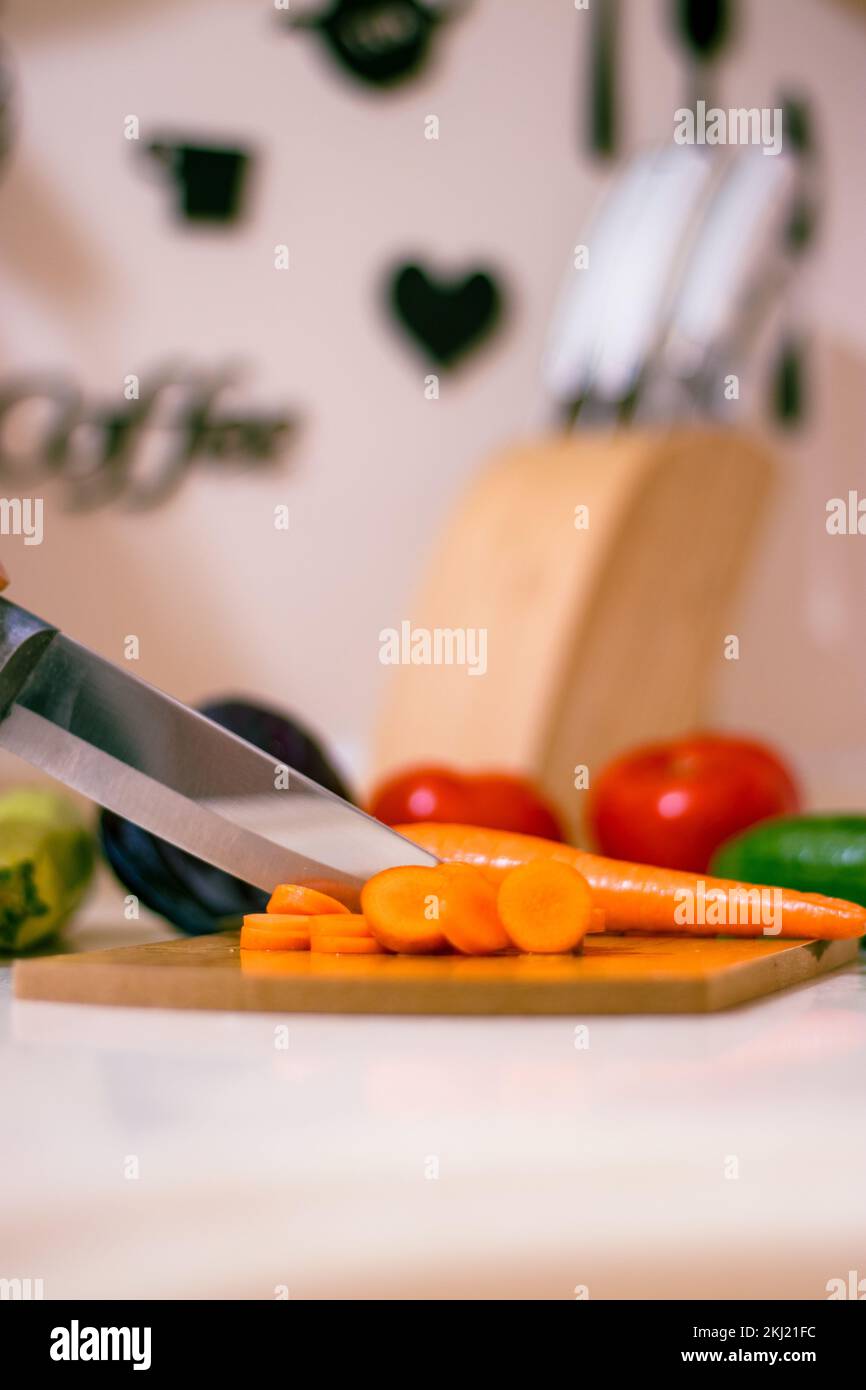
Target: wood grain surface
column 615, row 975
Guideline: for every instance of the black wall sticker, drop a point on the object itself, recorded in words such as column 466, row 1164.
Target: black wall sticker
column 704, row 28
column 789, row 387
column 602, row 86
column 208, row 181
column 378, row 41
column 799, row 142
column 790, row 393
column 446, row 317
column 139, row 449
column 703, row 25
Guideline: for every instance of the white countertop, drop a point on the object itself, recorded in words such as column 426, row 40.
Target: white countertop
column 310, row 1168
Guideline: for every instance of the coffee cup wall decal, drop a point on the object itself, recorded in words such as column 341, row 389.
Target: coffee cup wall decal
column 378, row 41
column 208, row 181
column 446, row 317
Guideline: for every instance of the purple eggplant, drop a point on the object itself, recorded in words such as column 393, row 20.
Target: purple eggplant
column 194, row 896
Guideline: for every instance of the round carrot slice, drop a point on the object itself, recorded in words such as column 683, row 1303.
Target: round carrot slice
column 402, row 909
column 296, row 899
column 275, row 938
column 345, row 945
column 467, row 911
column 273, row 921
column 545, row 906
column 340, row 924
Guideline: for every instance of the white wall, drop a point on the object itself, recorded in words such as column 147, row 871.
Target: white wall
column 98, row 281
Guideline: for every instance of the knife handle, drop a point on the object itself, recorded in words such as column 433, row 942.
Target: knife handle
column 24, row 639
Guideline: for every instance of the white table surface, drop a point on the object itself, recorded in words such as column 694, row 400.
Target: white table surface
column 310, row 1169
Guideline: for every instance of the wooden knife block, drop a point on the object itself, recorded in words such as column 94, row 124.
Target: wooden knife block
column 597, row 638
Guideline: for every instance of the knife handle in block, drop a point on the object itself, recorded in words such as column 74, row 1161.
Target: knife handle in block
column 24, row 639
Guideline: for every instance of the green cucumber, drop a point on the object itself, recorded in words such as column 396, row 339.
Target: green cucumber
column 813, row 854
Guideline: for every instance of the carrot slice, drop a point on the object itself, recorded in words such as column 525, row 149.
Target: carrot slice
column 597, row 919
column 467, row 911
column 638, row 897
column 340, row 924
column 305, row 902
column 275, row 935
column 402, row 909
column 278, row 921
column 421, row 910
column 545, row 907
column 345, row 945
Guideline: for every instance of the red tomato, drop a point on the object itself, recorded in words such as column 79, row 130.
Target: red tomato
column 673, row 804
column 498, row 800
column 504, row 802
column 422, row 793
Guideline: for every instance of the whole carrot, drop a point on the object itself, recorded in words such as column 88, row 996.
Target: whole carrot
column 641, row 898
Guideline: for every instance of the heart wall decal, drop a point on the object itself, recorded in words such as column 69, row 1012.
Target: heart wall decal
column 447, row 318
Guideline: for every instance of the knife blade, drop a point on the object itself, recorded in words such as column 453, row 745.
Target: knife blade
column 144, row 755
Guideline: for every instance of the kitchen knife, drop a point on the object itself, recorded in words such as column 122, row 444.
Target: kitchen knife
column 145, row 756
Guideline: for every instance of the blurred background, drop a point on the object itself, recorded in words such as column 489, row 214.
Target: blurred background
column 289, row 293
column 299, row 343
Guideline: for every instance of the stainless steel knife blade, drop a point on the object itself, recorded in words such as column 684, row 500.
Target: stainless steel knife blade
column 138, row 752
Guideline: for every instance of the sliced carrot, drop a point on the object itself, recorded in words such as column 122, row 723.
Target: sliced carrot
column 277, row 922
column 597, row 919
column 252, row 940
column 345, row 945
column 467, row 911
column 402, row 909
column 296, row 898
column 274, row 935
column 340, row 924
column 422, row 910
column 492, row 872
column 545, row 907
column 638, row 897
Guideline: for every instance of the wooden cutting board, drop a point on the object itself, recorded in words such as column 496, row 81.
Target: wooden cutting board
column 615, row 975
